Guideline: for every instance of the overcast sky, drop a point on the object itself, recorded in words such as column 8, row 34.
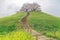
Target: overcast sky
column 9, row 7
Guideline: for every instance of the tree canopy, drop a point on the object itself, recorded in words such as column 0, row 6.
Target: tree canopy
column 30, row 7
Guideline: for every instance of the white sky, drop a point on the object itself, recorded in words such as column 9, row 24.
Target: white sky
column 9, row 7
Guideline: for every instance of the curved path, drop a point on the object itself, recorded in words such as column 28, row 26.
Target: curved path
column 26, row 26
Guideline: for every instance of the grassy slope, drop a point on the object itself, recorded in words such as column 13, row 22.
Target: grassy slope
column 36, row 20
column 10, row 23
column 8, row 26
column 39, row 19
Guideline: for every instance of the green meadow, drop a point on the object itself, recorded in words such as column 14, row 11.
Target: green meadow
column 11, row 29
column 41, row 22
column 46, row 23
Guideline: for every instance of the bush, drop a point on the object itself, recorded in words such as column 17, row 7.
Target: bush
column 18, row 35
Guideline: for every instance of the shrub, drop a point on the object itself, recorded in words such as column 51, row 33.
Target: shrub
column 18, row 35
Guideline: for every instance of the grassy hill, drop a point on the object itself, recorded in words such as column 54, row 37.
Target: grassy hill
column 10, row 28
column 10, row 23
column 39, row 21
column 48, row 24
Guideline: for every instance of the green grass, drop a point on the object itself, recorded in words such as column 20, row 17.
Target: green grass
column 37, row 20
column 10, row 26
column 49, row 23
column 10, row 23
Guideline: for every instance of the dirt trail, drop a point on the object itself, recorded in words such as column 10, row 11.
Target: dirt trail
column 26, row 26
